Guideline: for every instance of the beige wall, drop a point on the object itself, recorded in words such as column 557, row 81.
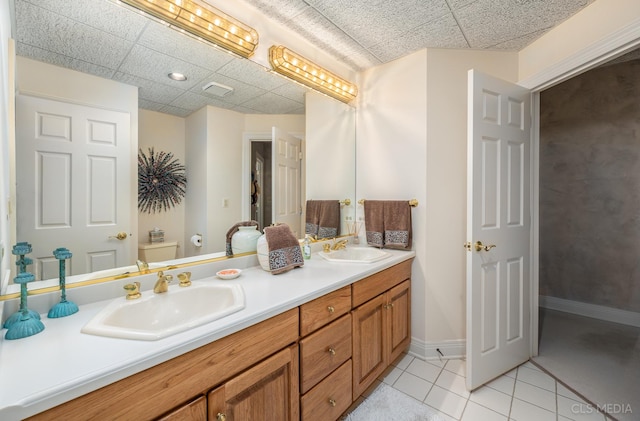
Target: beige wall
column 577, row 35
column 6, row 132
column 446, row 183
column 411, row 143
column 164, row 133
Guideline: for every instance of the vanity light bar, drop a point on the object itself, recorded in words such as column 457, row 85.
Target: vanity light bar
column 298, row 68
column 204, row 21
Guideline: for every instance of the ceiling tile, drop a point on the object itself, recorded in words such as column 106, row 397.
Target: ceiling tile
column 168, row 41
column 58, row 34
column 62, row 61
column 270, row 103
column 103, row 15
column 491, row 22
column 152, row 65
column 150, row 90
column 177, row 111
column 150, row 105
column 252, row 74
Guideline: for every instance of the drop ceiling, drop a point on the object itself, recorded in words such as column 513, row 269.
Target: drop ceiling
column 102, row 38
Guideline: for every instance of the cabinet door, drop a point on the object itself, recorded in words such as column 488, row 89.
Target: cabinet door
column 398, row 311
column 369, row 350
column 193, row 411
column 268, row 391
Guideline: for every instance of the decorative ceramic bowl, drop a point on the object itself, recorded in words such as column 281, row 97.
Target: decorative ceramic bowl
column 228, row 273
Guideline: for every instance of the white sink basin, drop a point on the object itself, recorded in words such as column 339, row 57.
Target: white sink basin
column 355, row 255
column 155, row 316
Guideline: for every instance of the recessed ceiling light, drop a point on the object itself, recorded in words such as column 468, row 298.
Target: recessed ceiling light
column 177, row 76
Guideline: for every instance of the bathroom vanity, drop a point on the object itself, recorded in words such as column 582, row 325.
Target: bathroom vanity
column 306, row 346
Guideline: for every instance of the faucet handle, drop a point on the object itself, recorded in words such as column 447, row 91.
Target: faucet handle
column 185, row 279
column 133, row 291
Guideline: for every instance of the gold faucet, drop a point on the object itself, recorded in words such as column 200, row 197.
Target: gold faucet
column 337, row 245
column 133, row 291
column 162, row 284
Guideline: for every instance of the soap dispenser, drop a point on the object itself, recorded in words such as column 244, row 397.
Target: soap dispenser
column 306, row 248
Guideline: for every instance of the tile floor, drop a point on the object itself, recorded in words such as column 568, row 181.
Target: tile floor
column 524, row 394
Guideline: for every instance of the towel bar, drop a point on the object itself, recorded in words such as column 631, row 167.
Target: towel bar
column 413, row 202
column 346, row 202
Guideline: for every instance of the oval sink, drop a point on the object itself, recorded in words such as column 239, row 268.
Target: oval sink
column 155, row 316
column 355, row 255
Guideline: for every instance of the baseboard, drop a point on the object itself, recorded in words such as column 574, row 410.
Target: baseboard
column 594, row 311
column 449, row 349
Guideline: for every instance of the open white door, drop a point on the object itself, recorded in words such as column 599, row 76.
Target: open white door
column 498, row 217
column 72, row 185
column 287, row 184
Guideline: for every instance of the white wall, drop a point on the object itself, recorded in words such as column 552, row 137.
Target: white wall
column 6, row 133
column 330, row 151
column 164, row 133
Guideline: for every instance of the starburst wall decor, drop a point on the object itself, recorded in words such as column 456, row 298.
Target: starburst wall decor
column 162, row 182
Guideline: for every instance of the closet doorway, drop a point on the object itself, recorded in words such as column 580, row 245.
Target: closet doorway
column 589, row 231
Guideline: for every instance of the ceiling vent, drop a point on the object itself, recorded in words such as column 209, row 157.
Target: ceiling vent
column 217, row 89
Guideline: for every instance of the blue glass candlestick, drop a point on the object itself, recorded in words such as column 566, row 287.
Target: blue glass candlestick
column 63, row 308
column 20, row 249
column 26, row 325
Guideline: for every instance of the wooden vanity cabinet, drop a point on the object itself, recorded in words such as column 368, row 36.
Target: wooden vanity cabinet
column 309, row 363
column 325, row 356
column 193, row 411
column 380, row 323
column 268, row 391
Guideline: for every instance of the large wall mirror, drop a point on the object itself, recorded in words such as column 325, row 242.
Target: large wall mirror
column 110, row 65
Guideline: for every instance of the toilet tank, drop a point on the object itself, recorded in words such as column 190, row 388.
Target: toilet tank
column 157, row 252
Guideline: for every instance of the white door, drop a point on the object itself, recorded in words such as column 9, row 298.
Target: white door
column 72, row 185
column 287, row 185
column 498, row 216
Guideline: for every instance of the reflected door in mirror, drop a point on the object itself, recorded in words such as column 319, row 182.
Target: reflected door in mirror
column 72, row 184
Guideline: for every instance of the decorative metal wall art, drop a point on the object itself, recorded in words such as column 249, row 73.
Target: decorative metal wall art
column 162, row 182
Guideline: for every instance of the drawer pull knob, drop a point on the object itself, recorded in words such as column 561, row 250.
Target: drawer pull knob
column 332, row 402
column 387, row 306
column 221, row 417
column 331, row 351
column 331, row 309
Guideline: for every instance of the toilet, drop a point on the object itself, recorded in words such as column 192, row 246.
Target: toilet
column 157, row 252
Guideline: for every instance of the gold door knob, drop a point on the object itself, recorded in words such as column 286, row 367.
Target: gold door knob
column 221, row 417
column 478, row 246
column 331, row 351
column 330, row 309
column 332, row 402
column 119, row 236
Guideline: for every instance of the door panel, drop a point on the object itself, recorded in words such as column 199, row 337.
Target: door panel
column 287, row 195
column 498, row 295
column 73, row 184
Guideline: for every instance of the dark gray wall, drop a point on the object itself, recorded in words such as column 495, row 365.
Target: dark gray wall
column 590, row 188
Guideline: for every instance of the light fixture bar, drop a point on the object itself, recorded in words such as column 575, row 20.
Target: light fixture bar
column 204, row 21
column 298, row 68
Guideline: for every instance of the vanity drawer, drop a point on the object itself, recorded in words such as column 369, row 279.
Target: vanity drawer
column 330, row 398
column 325, row 309
column 378, row 283
column 324, row 351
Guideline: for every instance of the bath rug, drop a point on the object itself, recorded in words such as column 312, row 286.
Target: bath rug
column 387, row 403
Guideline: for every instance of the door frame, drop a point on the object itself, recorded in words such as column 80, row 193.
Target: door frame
column 247, row 138
column 606, row 49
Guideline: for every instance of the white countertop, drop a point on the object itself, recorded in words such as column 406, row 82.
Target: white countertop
column 61, row 363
